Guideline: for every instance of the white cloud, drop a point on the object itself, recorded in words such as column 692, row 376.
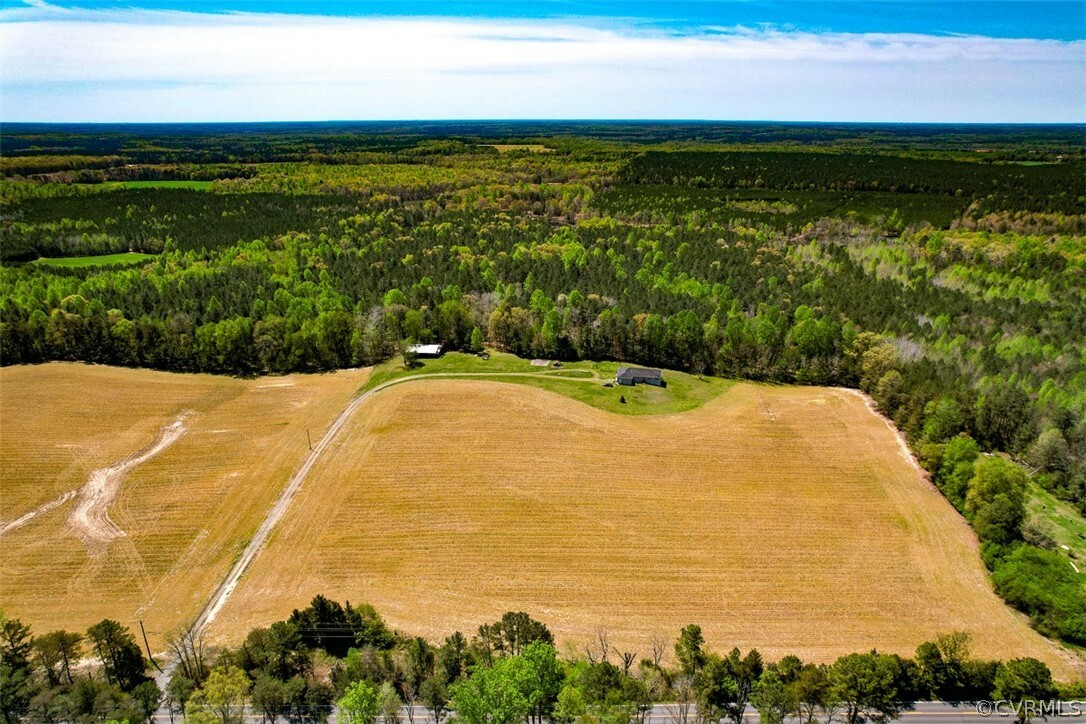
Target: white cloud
column 63, row 64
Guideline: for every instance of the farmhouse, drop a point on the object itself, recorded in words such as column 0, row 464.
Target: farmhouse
column 633, row 375
column 425, row 350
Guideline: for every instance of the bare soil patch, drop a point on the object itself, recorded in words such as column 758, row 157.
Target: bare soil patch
column 89, row 519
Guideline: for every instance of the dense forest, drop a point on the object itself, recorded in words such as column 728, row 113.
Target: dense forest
column 331, row 654
column 115, row 145
column 940, row 269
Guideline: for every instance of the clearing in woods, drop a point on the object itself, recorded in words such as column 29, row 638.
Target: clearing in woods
column 582, row 381
column 781, row 518
column 530, row 147
column 128, row 257
column 185, row 465
column 160, row 184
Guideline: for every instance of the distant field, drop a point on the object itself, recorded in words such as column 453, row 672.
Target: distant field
column 532, row 147
column 198, row 185
column 185, row 512
column 130, row 257
column 778, row 517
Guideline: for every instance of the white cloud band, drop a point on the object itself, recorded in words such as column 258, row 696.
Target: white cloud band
column 155, row 65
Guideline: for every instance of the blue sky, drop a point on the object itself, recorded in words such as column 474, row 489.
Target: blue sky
column 852, row 60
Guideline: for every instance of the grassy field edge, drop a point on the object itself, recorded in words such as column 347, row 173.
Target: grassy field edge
column 583, row 381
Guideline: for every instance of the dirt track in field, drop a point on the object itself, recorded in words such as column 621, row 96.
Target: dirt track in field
column 186, row 503
column 40, row 510
column 89, row 519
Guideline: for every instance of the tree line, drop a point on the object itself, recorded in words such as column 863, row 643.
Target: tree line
column 338, row 655
column 67, row 676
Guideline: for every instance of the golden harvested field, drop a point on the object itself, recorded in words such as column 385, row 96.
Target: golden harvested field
column 781, row 518
column 185, row 510
column 532, row 147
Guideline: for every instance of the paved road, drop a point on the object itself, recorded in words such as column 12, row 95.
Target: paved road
column 230, row 582
column 926, row 712
column 929, row 712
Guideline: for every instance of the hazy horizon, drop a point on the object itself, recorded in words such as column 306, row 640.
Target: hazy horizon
column 391, row 122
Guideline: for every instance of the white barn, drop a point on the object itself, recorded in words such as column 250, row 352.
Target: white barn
column 425, row 350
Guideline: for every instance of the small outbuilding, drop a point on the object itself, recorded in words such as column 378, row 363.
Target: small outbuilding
column 425, row 350
column 639, row 375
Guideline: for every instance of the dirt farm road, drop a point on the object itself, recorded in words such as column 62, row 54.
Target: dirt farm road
column 282, row 503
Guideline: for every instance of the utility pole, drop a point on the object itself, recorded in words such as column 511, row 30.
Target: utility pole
column 309, row 439
column 148, row 646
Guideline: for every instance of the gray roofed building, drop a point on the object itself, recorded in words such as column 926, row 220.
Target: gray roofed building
column 636, row 375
